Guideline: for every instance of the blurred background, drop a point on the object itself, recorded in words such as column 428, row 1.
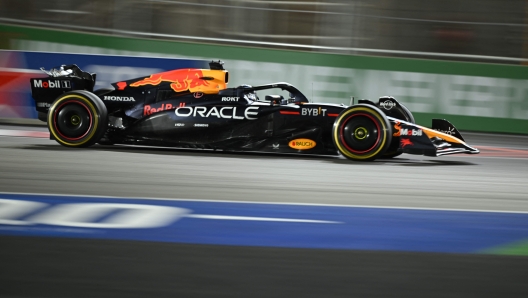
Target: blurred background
column 471, row 30
column 461, row 60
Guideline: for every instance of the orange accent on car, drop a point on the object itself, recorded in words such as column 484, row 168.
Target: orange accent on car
column 397, row 127
column 190, row 79
column 433, row 133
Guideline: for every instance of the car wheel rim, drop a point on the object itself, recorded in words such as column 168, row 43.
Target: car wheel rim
column 73, row 120
column 360, row 133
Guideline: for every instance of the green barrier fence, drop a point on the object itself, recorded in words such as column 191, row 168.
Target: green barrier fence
column 473, row 96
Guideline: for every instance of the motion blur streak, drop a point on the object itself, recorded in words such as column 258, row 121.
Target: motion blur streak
column 455, row 30
column 101, row 244
column 58, row 267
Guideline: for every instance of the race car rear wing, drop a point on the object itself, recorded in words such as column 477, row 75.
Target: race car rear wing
column 60, row 80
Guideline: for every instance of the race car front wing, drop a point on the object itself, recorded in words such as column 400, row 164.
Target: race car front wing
column 442, row 139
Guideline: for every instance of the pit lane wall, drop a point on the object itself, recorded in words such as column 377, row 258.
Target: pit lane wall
column 473, row 96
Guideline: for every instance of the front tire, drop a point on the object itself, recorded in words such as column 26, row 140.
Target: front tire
column 361, row 132
column 77, row 119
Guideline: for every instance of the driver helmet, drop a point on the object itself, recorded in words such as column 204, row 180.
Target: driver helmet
column 249, row 95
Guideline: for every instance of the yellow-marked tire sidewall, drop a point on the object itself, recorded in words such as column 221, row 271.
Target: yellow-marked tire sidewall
column 86, row 140
column 385, row 130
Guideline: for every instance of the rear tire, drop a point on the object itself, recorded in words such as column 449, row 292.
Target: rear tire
column 77, row 119
column 361, row 132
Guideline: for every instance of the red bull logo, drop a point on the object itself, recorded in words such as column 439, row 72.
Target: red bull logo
column 148, row 110
column 191, row 79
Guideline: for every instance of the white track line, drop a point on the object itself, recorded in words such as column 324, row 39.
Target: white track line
column 252, row 218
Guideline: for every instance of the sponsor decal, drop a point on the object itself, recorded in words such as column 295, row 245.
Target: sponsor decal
column 52, row 84
column 275, row 146
column 313, row 111
column 450, row 131
column 148, row 110
column 387, row 105
column 230, row 98
column 119, row 98
column 249, row 113
column 302, row 144
column 405, row 131
column 197, row 94
column 405, row 142
column 121, row 85
column 43, row 104
column 201, row 125
column 410, row 132
column 179, row 124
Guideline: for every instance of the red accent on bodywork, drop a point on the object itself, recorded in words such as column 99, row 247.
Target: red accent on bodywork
column 290, row 113
column 332, row 115
column 121, row 85
column 406, row 142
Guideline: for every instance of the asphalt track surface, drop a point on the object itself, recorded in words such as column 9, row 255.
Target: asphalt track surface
column 493, row 180
column 53, row 267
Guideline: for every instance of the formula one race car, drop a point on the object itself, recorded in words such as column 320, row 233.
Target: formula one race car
column 193, row 108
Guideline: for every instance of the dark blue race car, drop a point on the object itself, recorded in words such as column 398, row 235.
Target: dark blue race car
column 194, row 108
